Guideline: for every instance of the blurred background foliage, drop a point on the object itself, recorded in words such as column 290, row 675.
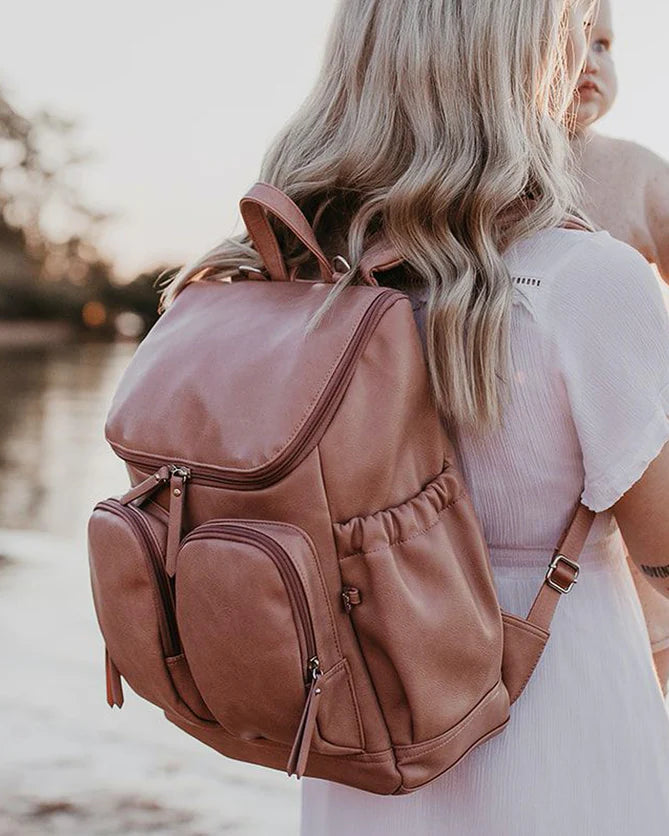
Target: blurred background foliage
column 58, row 278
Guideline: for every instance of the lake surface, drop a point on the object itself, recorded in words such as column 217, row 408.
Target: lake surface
column 69, row 764
column 54, row 462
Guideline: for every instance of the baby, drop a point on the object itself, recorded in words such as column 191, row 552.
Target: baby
column 626, row 192
column 626, row 186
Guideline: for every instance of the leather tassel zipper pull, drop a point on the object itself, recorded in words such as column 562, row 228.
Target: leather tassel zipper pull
column 147, row 486
column 179, row 478
column 299, row 754
column 114, row 684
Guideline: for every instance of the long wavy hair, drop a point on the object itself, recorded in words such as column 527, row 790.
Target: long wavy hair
column 440, row 124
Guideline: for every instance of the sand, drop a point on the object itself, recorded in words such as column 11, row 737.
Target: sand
column 69, row 764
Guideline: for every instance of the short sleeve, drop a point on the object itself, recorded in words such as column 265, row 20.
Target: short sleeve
column 610, row 328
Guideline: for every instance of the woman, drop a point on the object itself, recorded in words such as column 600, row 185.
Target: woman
column 441, row 123
column 626, row 192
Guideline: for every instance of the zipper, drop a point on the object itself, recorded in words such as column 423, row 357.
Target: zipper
column 166, row 618
column 267, row 475
column 299, row 753
column 179, row 477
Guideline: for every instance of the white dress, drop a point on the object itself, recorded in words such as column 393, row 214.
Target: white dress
column 586, row 752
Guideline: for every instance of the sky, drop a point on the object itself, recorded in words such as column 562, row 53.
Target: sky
column 178, row 102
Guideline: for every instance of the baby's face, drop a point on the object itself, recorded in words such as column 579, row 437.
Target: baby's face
column 598, row 85
column 579, row 18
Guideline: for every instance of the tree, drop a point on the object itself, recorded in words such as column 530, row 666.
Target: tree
column 37, row 157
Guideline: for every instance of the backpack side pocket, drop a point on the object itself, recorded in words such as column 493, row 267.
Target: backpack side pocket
column 134, row 604
column 420, row 593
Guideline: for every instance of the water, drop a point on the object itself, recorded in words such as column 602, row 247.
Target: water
column 54, row 462
column 69, row 764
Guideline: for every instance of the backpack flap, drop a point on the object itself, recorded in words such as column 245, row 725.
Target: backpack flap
column 229, row 383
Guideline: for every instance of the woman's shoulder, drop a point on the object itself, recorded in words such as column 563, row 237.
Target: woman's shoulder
column 604, row 320
column 583, row 275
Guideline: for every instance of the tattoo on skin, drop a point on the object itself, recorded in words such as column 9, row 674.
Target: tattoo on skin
column 655, row 571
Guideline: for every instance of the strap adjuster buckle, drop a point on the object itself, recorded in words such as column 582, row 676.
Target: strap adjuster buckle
column 555, row 564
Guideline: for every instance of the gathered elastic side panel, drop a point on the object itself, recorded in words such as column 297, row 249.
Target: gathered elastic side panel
column 362, row 535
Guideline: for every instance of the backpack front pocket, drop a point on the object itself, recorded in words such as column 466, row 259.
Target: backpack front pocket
column 419, row 590
column 259, row 635
column 135, row 608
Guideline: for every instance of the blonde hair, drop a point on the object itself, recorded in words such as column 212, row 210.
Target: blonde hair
column 440, row 124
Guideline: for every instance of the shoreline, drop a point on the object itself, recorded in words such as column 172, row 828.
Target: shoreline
column 72, row 765
column 29, row 333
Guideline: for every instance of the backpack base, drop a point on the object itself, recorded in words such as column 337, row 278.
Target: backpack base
column 397, row 771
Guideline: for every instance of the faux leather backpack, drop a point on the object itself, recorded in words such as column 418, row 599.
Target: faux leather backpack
column 297, row 576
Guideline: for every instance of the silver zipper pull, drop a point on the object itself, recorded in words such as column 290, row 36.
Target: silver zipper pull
column 299, row 754
column 315, row 668
column 180, row 472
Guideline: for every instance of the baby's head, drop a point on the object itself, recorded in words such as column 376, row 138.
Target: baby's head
column 598, row 85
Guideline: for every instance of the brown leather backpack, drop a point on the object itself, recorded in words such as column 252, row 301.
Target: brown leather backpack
column 297, row 576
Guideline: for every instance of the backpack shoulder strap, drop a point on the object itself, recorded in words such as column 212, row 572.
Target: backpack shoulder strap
column 526, row 639
column 563, row 570
column 379, row 257
column 574, row 222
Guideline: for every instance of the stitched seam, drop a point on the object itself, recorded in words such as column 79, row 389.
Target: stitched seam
column 327, row 378
column 539, row 632
column 527, row 678
column 503, row 547
column 172, row 662
column 299, row 424
column 157, row 601
column 404, row 789
column 334, row 550
column 387, row 755
column 361, row 731
column 447, row 468
column 422, row 531
column 419, row 752
column 323, row 585
column 343, row 665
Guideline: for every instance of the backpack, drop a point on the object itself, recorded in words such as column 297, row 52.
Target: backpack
column 297, row 575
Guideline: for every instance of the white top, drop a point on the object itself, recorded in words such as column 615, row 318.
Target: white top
column 588, row 411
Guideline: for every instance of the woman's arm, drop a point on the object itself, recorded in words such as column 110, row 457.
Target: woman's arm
column 643, row 516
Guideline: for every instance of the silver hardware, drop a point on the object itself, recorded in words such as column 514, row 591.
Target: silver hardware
column 554, row 565
column 181, row 472
column 351, row 597
column 340, row 260
column 177, row 492
column 248, row 268
column 315, row 668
